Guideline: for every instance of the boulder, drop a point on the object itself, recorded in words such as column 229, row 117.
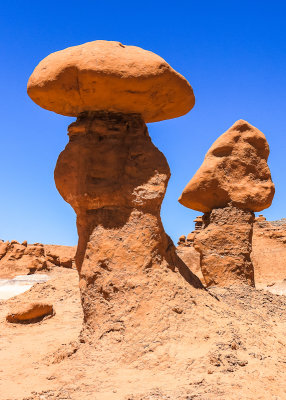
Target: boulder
column 37, row 264
column 191, row 237
column 107, row 75
column 52, row 258
column 234, row 170
column 66, row 262
column 182, row 239
column 30, row 313
column 4, row 246
column 260, row 218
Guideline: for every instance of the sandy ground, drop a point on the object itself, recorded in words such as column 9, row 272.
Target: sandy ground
column 229, row 344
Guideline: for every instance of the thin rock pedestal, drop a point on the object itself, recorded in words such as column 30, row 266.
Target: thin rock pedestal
column 225, row 246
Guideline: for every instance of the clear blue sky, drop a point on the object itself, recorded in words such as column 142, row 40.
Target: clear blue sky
column 232, row 53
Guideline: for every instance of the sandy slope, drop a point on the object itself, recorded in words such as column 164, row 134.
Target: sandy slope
column 223, row 344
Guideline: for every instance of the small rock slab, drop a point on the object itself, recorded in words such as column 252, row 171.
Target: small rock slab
column 30, row 313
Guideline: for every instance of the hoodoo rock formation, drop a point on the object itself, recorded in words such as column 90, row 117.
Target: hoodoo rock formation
column 233, row 182
column 114, row 177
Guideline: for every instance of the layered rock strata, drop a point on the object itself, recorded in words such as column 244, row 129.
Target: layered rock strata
column 268, row 252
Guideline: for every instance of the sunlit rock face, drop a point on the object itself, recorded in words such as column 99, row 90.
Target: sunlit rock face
column 233, row 182
column 225, row 246
column 234, row 170
column 111, row 76
column 115, row 179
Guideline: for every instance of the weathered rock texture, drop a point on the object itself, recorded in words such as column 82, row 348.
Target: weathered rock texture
column 103, row 75
column 22, row 258
column 234, row 170
column 191, row 257
column 225, row 246
column 269, row 251
column 115, row 179
column 227, row 346
column 233, row 181
column 30, row 313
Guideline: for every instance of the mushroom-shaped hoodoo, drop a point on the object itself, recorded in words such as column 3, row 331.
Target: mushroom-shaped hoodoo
column 110, row 76
column 233, row 181
column 112, row 174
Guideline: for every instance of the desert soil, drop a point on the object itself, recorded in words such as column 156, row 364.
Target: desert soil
column 224, row 344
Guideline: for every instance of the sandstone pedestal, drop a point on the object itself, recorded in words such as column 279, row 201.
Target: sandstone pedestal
column 225, row 245
column 115, row 179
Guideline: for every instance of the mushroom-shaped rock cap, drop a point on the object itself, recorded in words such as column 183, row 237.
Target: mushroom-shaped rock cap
column 110, row 76
column 234, row 170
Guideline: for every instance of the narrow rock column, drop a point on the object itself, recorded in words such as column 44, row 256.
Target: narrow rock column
column 225, row 246
column 115, row 179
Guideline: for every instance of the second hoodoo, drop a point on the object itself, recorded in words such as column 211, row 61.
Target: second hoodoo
column 233, row 182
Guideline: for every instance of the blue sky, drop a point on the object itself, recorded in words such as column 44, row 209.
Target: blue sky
column 232, row 53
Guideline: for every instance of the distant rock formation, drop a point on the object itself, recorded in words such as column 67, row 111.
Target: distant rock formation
column 269, row 250
column 23, row 258
column 233, row 181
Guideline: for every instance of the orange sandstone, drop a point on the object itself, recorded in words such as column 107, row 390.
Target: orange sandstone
column 30, row 312
column 110, row 76
column 233, row 181
column 114, row 177
column 234, row 170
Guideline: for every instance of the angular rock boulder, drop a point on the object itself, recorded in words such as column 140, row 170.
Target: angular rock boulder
column 234, row 170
